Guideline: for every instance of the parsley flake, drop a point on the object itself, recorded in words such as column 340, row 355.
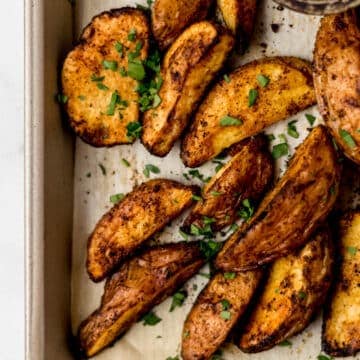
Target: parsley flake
column 133, row 130
column 125, row 162
column 247, row 210
column 229, row 275
column 351, row 250
column 101, row 86
column 151, row 319
column 110, row 65
column 280, row 150
column 178, row 299
column 262, row 80
column 253, row 94
column 132, row 35
column 227, row 78
column 149, row 168
column 62, row 99
column 347, row 138
column 310, row 118
column 136, row 70
column 230, row 121
column 302, row 295
column 291, row 129
column 102, row 168
column 285, row 343
column 116, row 198
column 225, row 314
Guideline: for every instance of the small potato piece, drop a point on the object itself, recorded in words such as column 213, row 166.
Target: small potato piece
column 171, row 17
column 337, row 79
column 189, row 66
column 290, row 213
column 295, row 289
column 341, row 327
column 246, row 176
column 140, row 284
column 289, row 91
column 143, row 212
column 217, row 309
column 100, row 101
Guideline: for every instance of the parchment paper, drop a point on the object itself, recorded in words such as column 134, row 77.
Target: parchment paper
column 295, row 36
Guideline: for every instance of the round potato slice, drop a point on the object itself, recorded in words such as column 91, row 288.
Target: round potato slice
column 99, row 79
column 337, row 79
column 258, row 94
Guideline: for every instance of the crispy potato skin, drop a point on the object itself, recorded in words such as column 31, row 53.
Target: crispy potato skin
column 143, row 212
column 189, row 66
column 289, row 91
column 141, row 283
column 341, row 325
column 87, row 104
column 295, row 289
column 171, row 17
column 290, row 213
column 246, row 176
column 204, row 329
column 336, row 77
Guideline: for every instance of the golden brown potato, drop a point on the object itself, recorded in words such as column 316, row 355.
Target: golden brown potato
column 290, row 213
column 295, row 289
column 341, row 327
column 141, row 283
column 143, row 212
column 288, row 91
column 336, row 79
column 100, row 101
column 189, row 66
column 245, row 176
column 171, row 17
column 218, row 308
column 239, row 17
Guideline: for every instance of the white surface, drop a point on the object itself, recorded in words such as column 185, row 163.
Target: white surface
column 12, row 180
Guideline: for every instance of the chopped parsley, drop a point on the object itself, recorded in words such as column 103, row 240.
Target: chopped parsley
column 271, row 137
column 262, row 80
column 125, row 162
column 247, row 210
column 184, row 235
column 136, row 70
column 227, row 78
column 209, row 248
column 291, row 129
column 122, row 71
column 310, row 118
column 81, row 97
column 196, row 197
column 102, row 168
column 216, row 193
column 101, row 86
column 230, row 121
column 234, row 227
column 253, row 94
column 151, row 319
column 133, row 130
column 96, row 78
column 324, row 357
column 285, row 343
column 110, row 65
column 225, row 314
column 116, row 198
column 186, row 334
column 178, row 299
column 218, row 166
column 225, row 304
column 132, row 35
column 119, row 48
column 196, row 174
column 229, row 275
column 280, row 150
column 149, row 168
column 115, row 98
column 62, row 99
column 302, row 295
column 351, row 250
column 347, row 138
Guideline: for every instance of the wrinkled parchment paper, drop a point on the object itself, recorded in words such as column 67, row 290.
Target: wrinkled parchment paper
column 295, row 37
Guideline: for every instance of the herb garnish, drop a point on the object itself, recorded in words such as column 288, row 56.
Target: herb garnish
column 62, row 99
column 351, row 250
column 291, row 129
column 247, row 210
column 280, row 150
column 227, row 78
column 262, row 80
column 149, row 168
column 110, row 65
column 347, row 138
column 178, row 299
column 310, row 118
column 253, row 94
column 116, row 198
column 151, row 319
column 229, row 275
column 285, row 343
column 119, row 48
column 133, row 130
column 230, row 121
column 102, row 168
column 125, row 162
column 132, row 35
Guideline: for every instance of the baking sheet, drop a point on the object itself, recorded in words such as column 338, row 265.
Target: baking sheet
column 295, row 37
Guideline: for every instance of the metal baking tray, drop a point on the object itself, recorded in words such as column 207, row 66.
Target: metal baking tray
column 63, row 204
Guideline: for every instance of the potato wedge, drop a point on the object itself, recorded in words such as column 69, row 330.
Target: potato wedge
column 140, row 284
column 341, row 327
column 336, row 79
column 169, row 18
column 217, row 309
column 189, row 66
column 143, row 212
column 246, row 176
column 100, row 101
column 239, row 17
column 290, row 90
column 295, row 289
column 290, row 213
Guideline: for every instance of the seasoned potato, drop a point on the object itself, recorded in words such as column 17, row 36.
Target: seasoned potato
column 245, row 176
column 288, row 91
column 336, row 79
column 171, row 17
column 189, row 66
column 341, row 328
column 295, row 289
column 141, row 283
column 143, row 212
column 239, row 17
column 100, row 101
column 290, row 213
column 218, row 308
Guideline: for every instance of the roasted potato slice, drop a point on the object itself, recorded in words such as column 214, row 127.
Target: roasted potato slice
column 100, row 101
column 336, row 79
column 290, row 213
column 143, row 212
column 341, row 327
column 141, row 283
column 289, row 90
column 217, row 309
column 189, row 66
column 245, row 176
column 295, row 289
column 239, row 17
column 170, row 18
